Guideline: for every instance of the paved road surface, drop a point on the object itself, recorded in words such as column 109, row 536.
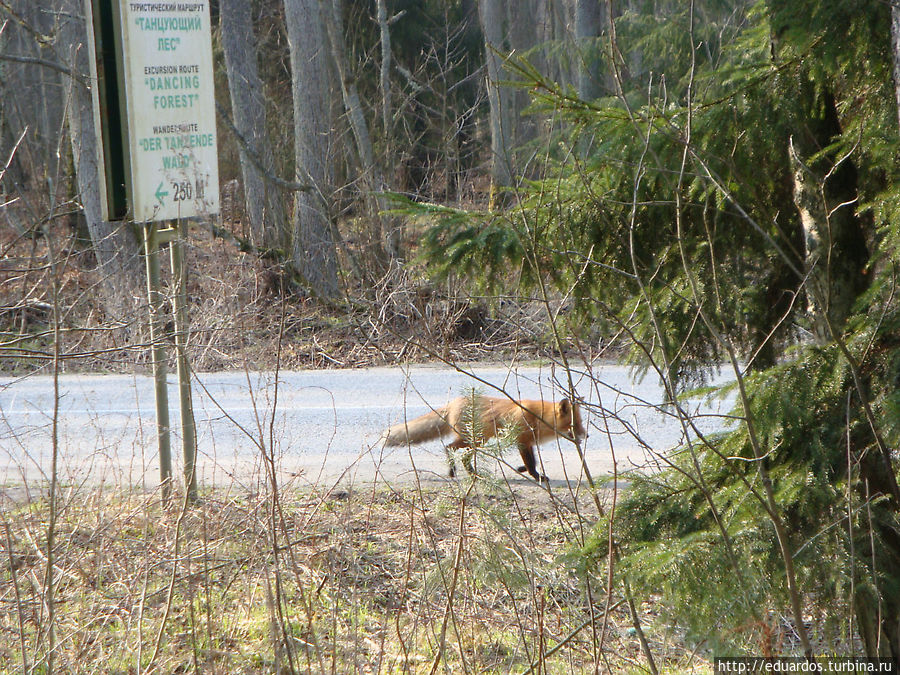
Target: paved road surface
column 323, row 426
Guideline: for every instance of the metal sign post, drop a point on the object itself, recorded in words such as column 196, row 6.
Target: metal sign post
column 158, row 357
column 153, row 237
column 180, row 311
column 154, row 112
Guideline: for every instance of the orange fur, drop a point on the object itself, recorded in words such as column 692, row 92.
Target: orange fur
column 534, row 421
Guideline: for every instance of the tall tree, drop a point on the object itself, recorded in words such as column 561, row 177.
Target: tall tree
column 264, row 201
column 115, row 245
column 590, row 20
column 825, row 194
column 500, row 100
column 382, row 244
column 384, row 76
column 528, row 29
column 895, row 49
column 511, row 29
column 33, row 109
column 314, row 249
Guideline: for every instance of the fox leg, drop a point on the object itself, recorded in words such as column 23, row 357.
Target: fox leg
column 469, row 460
column 530, row 467
column 460, row 444
column 451, row 463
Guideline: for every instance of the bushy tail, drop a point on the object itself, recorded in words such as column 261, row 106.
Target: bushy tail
column 425, row 428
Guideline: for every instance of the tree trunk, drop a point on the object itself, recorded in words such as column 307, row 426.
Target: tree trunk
column 826, row 198
column 384, row 77
column 590, row 20
column 382, row 242
column 493, row 21
column 527, row 30
column 836, row 255
column 511, row 27
column 313, row 239
column 895, row 45
column 116, row 247
column 33, row 105
column 265, row 202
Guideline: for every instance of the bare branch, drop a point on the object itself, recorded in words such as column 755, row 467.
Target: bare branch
column 254, row 158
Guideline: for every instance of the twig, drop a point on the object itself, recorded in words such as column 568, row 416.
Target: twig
column 250, row 153
column 15, row 583
column 46, row 63
column 571, row 636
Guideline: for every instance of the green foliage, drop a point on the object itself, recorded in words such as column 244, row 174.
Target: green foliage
column 670, row 213
column 676, row 527
column 478, row 438
column 601, row 223
column 470, row 420
column 603, row 227
column 464, row 247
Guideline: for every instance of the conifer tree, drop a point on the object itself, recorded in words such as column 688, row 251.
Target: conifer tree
column 738, row 205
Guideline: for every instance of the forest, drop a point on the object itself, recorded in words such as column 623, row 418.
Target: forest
column 707, row 191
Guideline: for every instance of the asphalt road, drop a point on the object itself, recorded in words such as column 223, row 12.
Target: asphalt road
column 321, row 427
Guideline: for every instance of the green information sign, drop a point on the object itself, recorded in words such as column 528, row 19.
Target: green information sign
column 164, row 76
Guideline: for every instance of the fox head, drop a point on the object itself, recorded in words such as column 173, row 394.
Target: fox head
column 568, row 418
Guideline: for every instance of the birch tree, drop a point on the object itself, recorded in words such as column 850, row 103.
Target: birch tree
column 826, row 196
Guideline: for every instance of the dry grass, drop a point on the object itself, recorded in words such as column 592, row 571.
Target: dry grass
column 438, row 579
column 242, row 310
column 374, row 580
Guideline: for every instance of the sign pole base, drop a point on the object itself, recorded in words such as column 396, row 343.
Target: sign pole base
column 158, row 358
column 188, row 428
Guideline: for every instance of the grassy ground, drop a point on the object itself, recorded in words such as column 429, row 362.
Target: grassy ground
column 441, row 578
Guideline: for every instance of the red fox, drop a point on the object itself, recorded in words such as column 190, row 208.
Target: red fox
column 534, row 422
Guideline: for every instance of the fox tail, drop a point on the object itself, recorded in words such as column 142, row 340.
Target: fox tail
column 425, row 428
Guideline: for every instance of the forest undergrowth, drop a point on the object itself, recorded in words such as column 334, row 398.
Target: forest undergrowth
column 372, row 579
column 245, row 313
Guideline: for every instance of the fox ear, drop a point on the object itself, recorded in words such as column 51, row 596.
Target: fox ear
column 564, row 406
